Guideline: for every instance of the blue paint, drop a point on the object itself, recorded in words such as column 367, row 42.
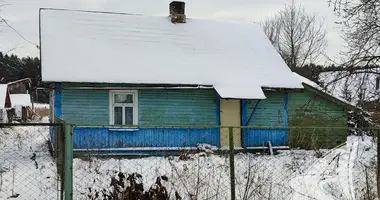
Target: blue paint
column 268, row 112
column 286, row 97
column 177, row 107
column 100, row 138
column 58, row 101
column 85, row 106
column 218, row 117
column 217, row 109
column 155, row 106
column 243, row 120
column 260, row 137
column 252, row 112
column 243, row 112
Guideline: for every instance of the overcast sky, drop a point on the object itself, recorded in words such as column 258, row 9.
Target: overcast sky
column 23, row 16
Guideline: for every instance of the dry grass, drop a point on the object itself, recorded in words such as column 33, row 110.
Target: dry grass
column 42, row 112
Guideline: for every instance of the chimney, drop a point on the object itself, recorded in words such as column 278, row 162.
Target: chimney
column 177, row 12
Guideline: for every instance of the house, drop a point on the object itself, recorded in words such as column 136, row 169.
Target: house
column 5, row 103
column 135, row 82
column 22, row 106
column 21, row 86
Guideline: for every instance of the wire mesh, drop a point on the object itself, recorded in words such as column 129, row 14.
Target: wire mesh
column 317, row 166
column 28, row 169
column 167, row 163
column 190, row 163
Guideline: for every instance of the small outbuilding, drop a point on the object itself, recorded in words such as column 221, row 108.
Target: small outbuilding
column 22, row 106
column 5, row 103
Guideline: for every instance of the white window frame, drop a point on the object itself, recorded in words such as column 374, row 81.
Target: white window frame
column 134, row 105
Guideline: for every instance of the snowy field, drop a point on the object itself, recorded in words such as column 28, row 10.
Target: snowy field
column 28, row 172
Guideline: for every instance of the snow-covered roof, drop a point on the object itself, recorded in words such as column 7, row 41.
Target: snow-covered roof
column 21, row 100
column 3, row 95
column 237, row 59
column 318, row 87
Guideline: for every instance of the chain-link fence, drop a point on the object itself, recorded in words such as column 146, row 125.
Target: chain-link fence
column 195, row 163
column 29, row 162
column 318, row 163
column 150, row 163
column 187, row 162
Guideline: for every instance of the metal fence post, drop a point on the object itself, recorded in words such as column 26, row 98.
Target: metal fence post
column 68, row 165
column 232, row 163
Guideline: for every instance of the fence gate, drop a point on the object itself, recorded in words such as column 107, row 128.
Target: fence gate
column 31, row 161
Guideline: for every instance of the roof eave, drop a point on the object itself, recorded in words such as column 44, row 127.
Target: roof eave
column 332, row 98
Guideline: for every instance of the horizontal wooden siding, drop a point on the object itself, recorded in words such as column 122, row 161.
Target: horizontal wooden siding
column 177, row 107
column 85, row 106
column 156, row 107
column 309, row 110
column 269, row 112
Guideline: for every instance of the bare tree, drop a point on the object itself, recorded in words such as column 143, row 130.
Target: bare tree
column 360, row 21
column 361, row 30
column 299, row 37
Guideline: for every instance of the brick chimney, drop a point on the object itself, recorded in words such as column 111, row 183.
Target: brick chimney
column 177, row 12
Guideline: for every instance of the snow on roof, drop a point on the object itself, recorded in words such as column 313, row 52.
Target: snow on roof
column 318, row 87
column 125, row 48
column 21, row 100
column 3, row 94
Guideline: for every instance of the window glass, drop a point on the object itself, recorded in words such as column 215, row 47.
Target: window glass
column 128, row 115
column 118, row 115
column 123, row 98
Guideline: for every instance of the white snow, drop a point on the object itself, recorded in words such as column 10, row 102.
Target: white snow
column 3, row 115
column 21, row 100
column 236, row 58
column 3, row 94
column 291, row 174
column 19, row 174
column 237, row 91
column 330, row 177
column 41, row 105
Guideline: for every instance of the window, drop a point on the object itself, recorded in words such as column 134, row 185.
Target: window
column 123, row 107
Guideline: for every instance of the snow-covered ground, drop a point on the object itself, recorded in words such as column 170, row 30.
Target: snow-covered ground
column 294, row 174
column 41, row 105
column 27, row 170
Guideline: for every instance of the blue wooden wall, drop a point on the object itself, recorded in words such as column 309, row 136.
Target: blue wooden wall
column 177, row 107
column 85, row 106
column 156, row 108
column 169, row 107
column 100, row 138
column 270, row 112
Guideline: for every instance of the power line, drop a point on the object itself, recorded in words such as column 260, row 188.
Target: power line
column 19, row 34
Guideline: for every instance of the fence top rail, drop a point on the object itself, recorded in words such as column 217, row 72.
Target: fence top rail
column 210, row 126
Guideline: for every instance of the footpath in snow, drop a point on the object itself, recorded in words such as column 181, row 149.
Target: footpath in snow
column 330, row 177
